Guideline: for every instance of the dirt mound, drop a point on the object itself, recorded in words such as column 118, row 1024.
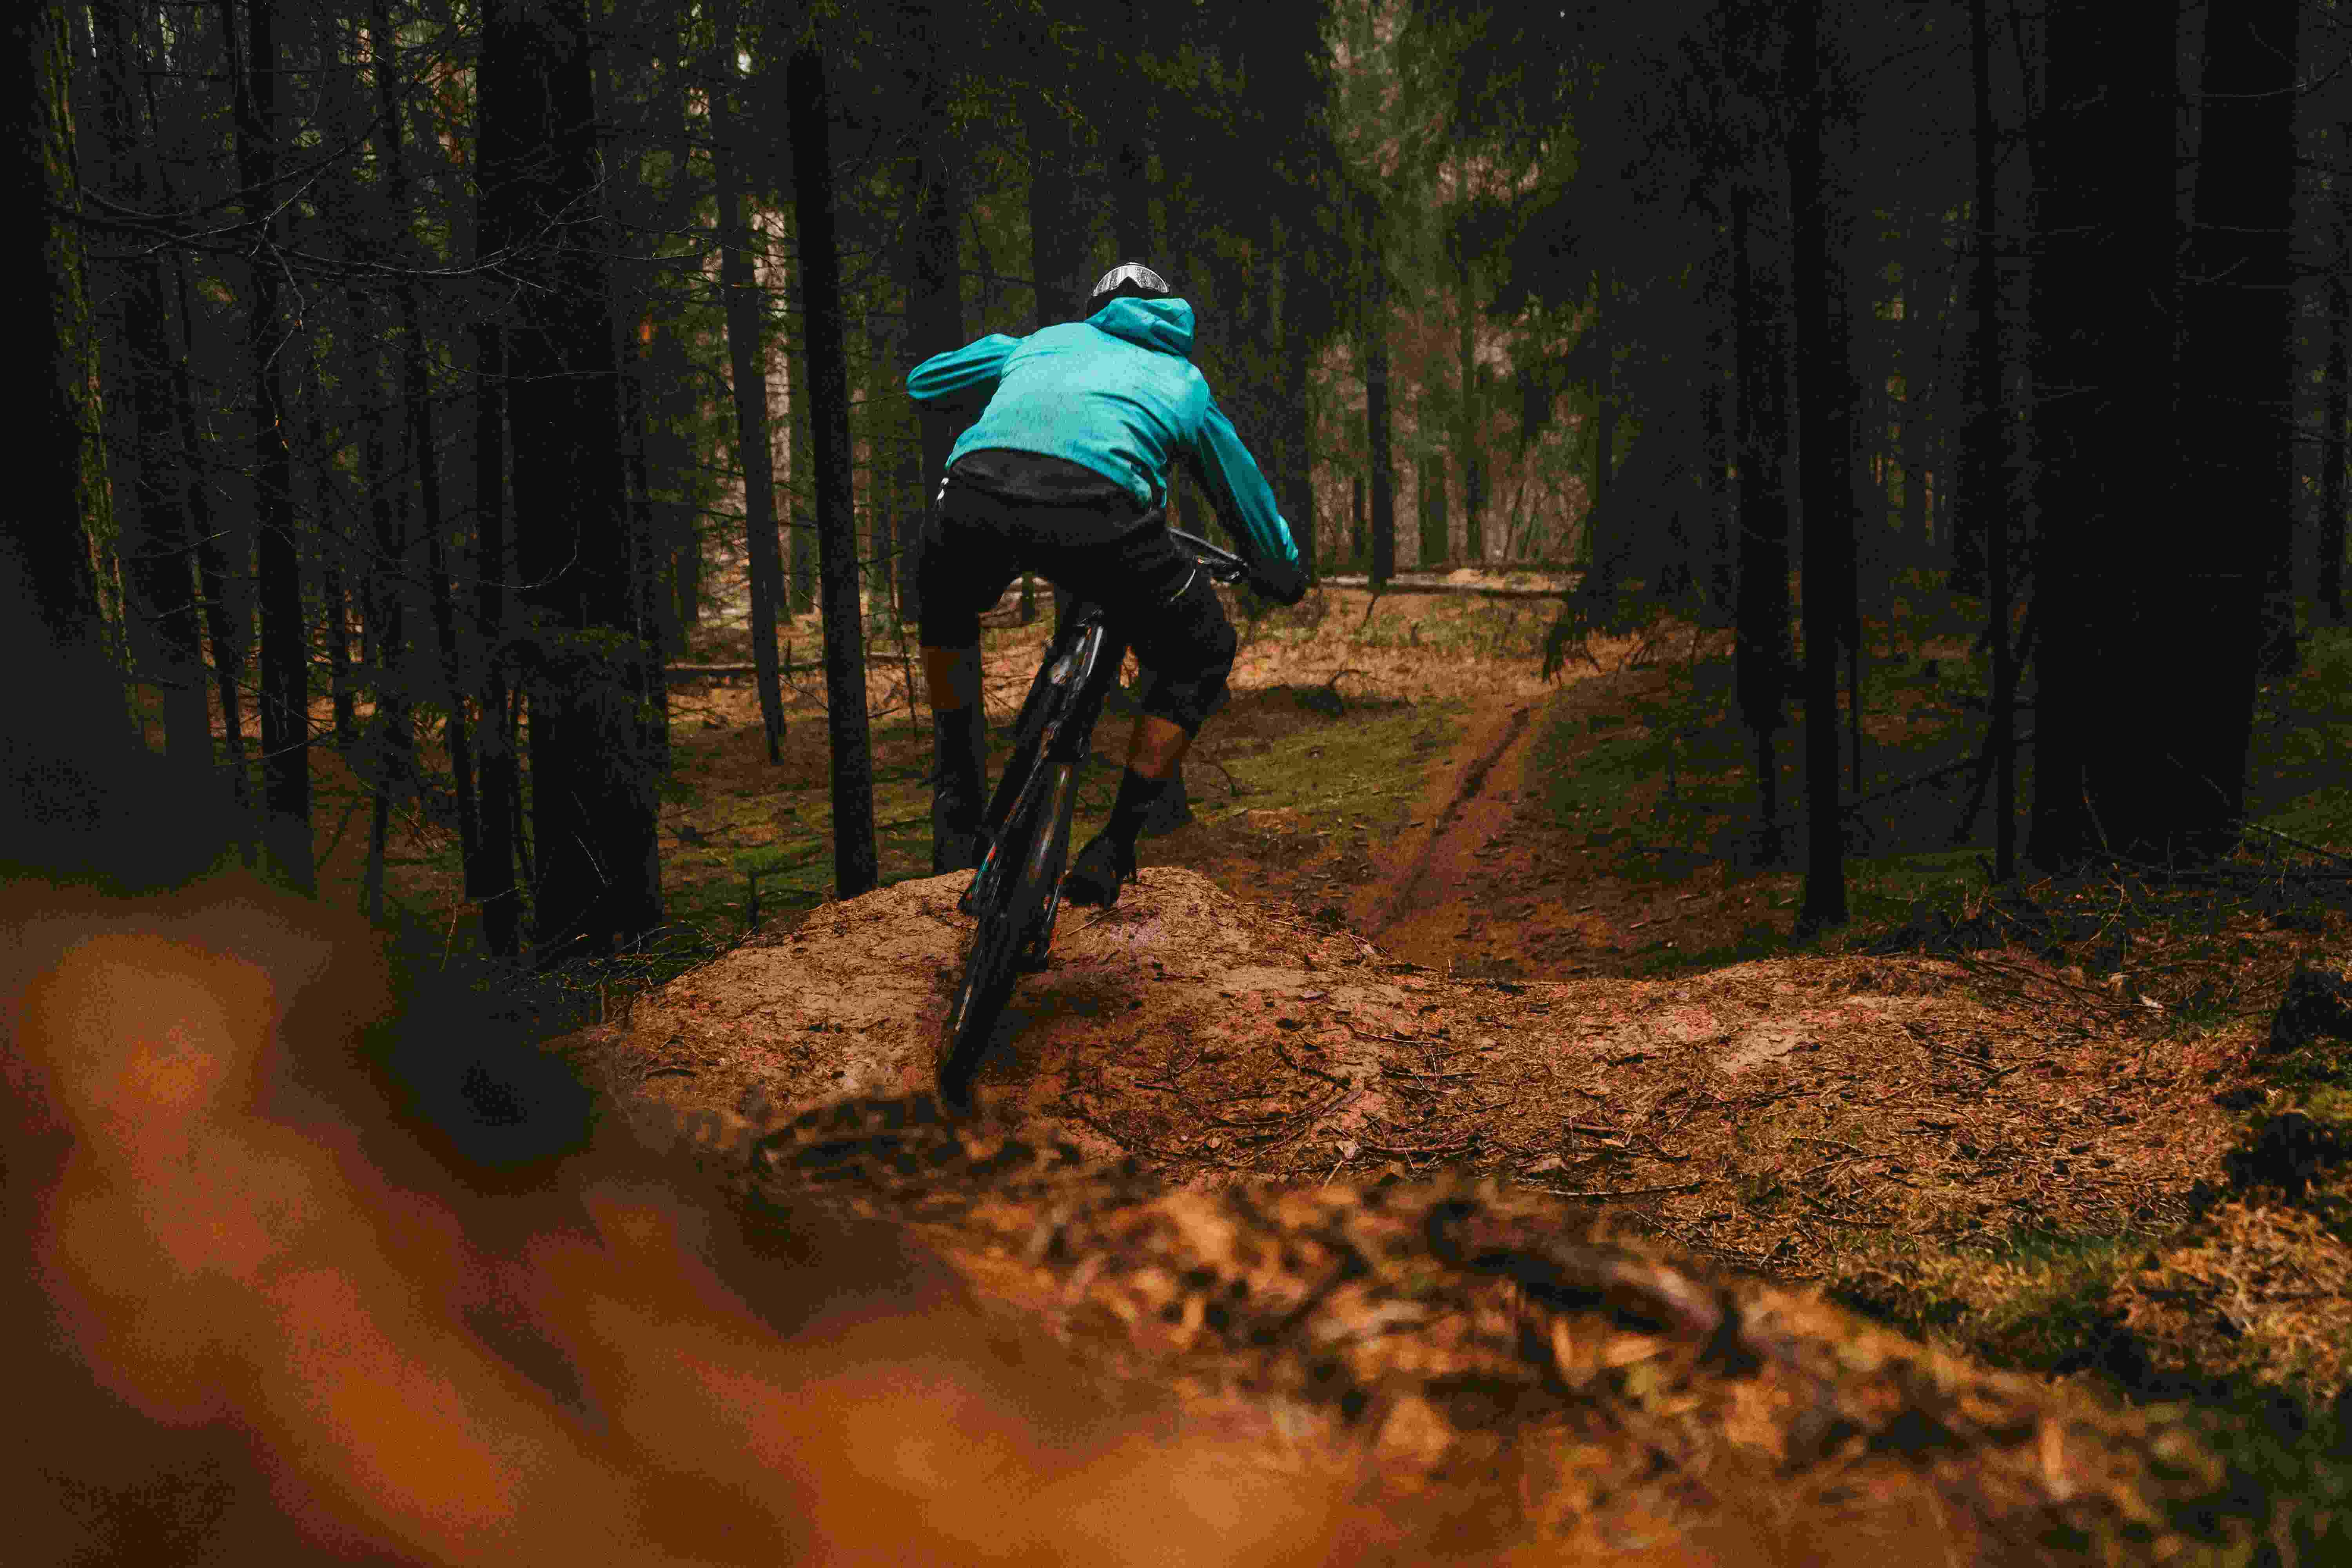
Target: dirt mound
column 1178, row 981
column 1364, row 1215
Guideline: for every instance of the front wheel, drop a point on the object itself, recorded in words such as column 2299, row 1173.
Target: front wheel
column 993, row 961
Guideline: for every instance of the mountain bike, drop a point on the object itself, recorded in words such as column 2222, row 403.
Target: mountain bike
column 1016, row 894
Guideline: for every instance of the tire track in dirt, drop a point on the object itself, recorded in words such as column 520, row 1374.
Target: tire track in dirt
column 1432, row 866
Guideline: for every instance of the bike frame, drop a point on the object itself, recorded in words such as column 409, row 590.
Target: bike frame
column 1057, row 725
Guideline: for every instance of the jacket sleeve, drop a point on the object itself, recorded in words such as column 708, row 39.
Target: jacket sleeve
column 964, row 375
column 1239, row 493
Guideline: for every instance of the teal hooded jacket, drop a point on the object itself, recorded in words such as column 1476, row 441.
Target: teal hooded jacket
column 1117, row 393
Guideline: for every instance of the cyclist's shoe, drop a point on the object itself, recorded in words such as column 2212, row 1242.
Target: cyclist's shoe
column 956, row 843
column 1101, row 866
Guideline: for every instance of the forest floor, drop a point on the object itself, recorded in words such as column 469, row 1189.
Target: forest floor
column 2024, row 1126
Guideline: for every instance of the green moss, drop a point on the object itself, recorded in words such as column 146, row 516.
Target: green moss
column 2034, row 1300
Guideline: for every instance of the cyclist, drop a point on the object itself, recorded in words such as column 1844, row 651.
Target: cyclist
column 1066, row 474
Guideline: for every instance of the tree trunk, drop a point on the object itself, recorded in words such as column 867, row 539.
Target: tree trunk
column 1824, row 474
column 227, row 627
column 61, row 773
column 156, row 547
column 748, row 359
column 420, row 449
column 1466, row 452
column 1376, row 398
column 935, row 306
column 1429, row 486
column 1603, row 548
column 2237, row 391
column 594, row 746
column 491, row 882
column 800, row 486
column 1985, row 481
column 284, row 635
column 2118, row 688
column 1719, row 587
column 392, row 730
column 1298, row 465
column 854, row 867
column 1761, row 636
column 2337, row 409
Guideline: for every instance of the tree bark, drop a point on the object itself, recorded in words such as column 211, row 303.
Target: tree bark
column 1429, row 485
column 2118, row 688
column 420, row 449
column 1761, row 636
column 2237, row 380
column 748, row 359
column 1298, row 468
column 594, row 741
column 68, row 772
column 935, row 306
column 854, row 867
column 1824, row 477
column 157, row 551
column 284, row 635
column 1376, row 397
column 1466, row 454
column 1986, row 481
column 2336, row 411
column 1603, row 549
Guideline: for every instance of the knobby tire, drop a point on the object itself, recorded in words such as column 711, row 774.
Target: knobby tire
column 994, row 959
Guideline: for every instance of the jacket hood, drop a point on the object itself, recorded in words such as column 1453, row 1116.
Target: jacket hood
column 1164, row 325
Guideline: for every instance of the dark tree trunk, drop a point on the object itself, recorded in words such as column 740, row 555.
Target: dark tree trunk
column 392, row 730
column 155, row 542
column 1376, row 397
column 1296, row 477
column 854, row 867
column 748, row 359
column 68, row 796
column 1824, row 472
column 226, row 625
column 935, row 306
column 2336, row 409
column 342, row 701
column 1603, row 549
column 1720, row 586
column 1429, row 493
column 2237, row 390
column 420, row 450
column 491, row 880
column 1986, row 477
column 594, row 742
column 1466, row 440
column 2118, row 687
column 800, row 488
column 284, row 635
column 1760, row 638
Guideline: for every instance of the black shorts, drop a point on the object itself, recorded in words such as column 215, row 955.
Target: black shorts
column 1152, row 591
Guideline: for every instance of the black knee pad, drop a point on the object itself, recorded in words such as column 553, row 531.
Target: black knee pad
column 1191, row 659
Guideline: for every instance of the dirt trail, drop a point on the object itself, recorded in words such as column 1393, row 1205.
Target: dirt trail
column 1415, row 908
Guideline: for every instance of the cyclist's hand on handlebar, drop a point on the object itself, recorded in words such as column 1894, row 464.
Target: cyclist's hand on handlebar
column 1280, row 581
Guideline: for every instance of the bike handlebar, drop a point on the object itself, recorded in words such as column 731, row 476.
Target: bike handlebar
column 1224, row 565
